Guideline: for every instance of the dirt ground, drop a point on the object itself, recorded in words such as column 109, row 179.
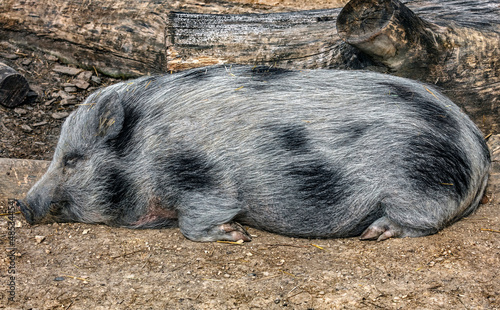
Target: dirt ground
column 79, row 266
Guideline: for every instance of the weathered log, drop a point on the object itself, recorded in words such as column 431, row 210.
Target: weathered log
column 14, row 87
column 295, row 39
column 129, row 38
column 388, row 32
column 462, row 60
column 120, row 38
column 18, row 175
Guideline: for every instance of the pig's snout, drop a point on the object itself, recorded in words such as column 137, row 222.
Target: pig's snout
column 33, row 212
column 37, row 212
column 41, row 202
column 26, row 211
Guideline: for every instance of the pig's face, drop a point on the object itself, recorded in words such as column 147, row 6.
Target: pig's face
column 81, row 183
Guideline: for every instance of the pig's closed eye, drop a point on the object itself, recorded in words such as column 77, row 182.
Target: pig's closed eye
column 71, row 160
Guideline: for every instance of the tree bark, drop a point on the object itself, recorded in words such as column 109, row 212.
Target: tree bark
column 456, row 45
column 121, row 38
column 13, row 87
column 306, row 39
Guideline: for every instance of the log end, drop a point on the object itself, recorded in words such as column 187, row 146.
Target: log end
column 387, row 31
column 360, row 20
column 13, row 87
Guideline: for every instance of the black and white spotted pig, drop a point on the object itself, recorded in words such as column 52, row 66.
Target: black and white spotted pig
column 318, row 153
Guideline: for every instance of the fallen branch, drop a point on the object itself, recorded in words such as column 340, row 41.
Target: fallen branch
column 14, row 87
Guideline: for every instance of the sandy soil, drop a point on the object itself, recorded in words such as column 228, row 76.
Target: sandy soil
column 79, row 266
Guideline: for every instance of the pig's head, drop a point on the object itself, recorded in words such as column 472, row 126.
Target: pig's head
column 81, row 182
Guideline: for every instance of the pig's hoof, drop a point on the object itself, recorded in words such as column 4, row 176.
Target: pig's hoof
column 234, row 232
column 382, row 229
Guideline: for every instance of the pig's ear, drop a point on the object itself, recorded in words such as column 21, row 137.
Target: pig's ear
column 110, row 116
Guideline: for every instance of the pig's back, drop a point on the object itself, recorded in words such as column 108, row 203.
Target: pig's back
column 309, row 152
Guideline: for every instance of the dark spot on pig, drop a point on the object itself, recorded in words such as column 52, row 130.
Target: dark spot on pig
column 438, row 164
column 118, row 188
column 270, row 73
column 263, row 76
column 399, row 90
column 317, row 183
column 357, row 130
column 191, row 171
column 434, row 114
column 349, row 133
column 292, row 138
column 198, row 74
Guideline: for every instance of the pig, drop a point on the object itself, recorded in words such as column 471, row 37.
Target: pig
column 311, row 154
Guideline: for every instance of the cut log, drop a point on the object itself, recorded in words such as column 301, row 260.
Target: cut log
column 13, row 87
column 389, row 33
column 17, row 176
column 130, row 38
column 297, row 40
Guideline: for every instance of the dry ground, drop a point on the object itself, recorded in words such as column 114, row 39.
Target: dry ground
column 79, row 266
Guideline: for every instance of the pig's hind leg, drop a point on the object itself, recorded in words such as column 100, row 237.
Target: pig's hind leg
column 411, row 214
column 431, row 186
column 385, row 228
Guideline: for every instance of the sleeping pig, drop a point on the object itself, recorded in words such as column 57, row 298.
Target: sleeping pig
column 318, row 153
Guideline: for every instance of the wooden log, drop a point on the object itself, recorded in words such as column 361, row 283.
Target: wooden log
column 275, row 39
column 121, row 38
column 14, row 87
column 17, row 176
column 462, row 60
column 306, row 39
column 130, row 38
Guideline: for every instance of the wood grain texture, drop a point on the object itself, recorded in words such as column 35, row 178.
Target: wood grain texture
column 305, row 39
column 120, row 38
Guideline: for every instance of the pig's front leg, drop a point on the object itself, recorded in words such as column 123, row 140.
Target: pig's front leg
column 205, row 218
